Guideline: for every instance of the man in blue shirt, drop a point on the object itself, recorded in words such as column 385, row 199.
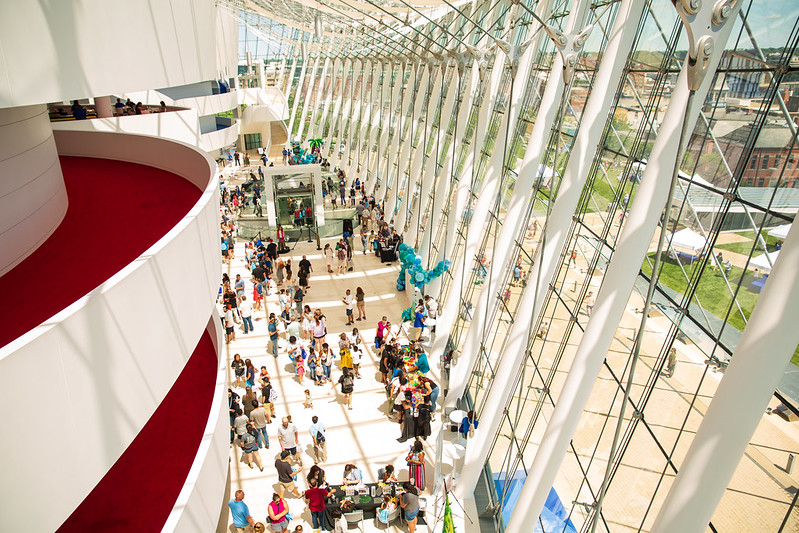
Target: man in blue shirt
column 418, row 322
column 273, row 336
column 240, row 513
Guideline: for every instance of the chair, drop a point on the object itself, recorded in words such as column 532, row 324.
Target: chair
column 355, row 517
column 392, row 515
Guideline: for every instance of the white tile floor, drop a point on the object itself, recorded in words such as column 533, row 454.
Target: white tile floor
column 364, row 435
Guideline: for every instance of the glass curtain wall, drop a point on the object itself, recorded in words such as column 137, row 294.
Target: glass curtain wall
column 707, row 284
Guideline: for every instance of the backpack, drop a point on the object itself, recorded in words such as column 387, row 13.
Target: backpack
column 341, row 254
column 346, row 385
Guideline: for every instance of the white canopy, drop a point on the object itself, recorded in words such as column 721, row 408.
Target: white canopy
column 780, row 232
column 545, row 171
column 688, row 241
column 762, row 263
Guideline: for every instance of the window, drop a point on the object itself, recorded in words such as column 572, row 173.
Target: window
column 764, row 162
column 776, row 161
column 753, row 163
column 761, row 182
column 252, row 141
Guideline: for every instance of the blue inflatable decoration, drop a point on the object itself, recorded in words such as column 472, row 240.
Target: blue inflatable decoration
column 411, row 264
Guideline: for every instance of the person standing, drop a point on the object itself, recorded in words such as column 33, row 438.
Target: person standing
column 230, row 324
column 281, row 239
column 329, row 258
column 589, row 301
column 242, row 520
column 431, row 305
column 349, row 302
column 360, row 301
column 326, row 358
column 239, row 370
column 277, row 512
column 245, row 309
column 415, row 461
column 468, row 425
column 273, row 336
column 239, row 286
column 418, row 322
column 306, row 264
column 288, row 436
column 317, row 431
column 409, row 501
column 347, row 386
column 316, row 503
column 285, row 474
column 260, row 418
column 298, row 297
column 341, row 257
column 249, row 447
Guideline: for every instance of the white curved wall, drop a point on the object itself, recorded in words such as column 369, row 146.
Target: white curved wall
column 267, row 100
column 114, row 354
column 197, row 506
column 54, row 51
column 182, row 126
column 33, row 199
column 210, row 104
column 214, row 140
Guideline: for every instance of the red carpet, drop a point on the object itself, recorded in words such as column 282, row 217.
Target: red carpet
column 138, row 492
column 116, row 211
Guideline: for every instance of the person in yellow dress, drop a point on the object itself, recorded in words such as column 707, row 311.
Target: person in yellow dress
column 344, row 351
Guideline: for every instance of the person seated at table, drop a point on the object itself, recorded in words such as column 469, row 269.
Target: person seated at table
column 388, row 474
column 388, row 505
column 352, row 475
column 339, row 521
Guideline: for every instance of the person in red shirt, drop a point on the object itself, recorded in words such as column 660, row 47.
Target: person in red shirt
column 316, row 503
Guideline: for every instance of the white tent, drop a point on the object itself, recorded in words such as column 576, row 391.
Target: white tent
column 780, row 232
column 762, row 263
column 545, row 171
column 689, row 242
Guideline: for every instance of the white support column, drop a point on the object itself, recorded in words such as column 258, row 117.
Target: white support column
column 596, row 110
column 282, row 74
column 297, row 96
column 365, row 135
column 452, row 305
column 355, row 113
column 393, row 95
column 319, row 206
column 428, row 177
column 415, row 159
column 347, row 88
column 102, row 106
column 320, row 90
column 460, row 192
column 307, row 100
column 757, row 364
column 285, row 81
column 614, row 293
column 341, row 109
column 375, row 118
column 391, row 174
column 522, row 195
column 335, row 81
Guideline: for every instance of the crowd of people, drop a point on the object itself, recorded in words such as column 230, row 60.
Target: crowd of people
column 299, row 333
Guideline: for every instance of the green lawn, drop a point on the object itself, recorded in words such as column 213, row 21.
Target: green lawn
column 712, row 292
column 745, row 247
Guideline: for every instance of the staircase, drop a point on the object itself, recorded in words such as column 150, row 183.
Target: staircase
column 279, row 137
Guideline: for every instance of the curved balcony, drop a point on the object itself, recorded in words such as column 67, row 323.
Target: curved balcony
column 112, row 310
